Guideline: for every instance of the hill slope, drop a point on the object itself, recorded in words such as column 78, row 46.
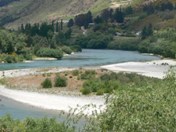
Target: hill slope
column 23, row 11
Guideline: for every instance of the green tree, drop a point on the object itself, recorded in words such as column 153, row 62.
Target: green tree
column 70, row 23
column 119, row 16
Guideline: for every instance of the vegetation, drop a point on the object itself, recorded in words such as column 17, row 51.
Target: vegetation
column 60, row 81
column 47, row 52
column 145, row 107
column 110, row 82
column 6, row 2
column 111, row 28
column 88, row 74
column 138, row 104
column 8, row 124
column 47, row 83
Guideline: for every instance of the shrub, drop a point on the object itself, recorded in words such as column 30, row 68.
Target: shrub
column 85, row 91
column 75, row 72
column 47, row 83
column 100, row 92
column 8, row 124
column 76, row 48
column 88, row 74
column 66, row 50
column 60, row 82
column 9, row 58
column 139, row 108
column 47, row 52
column 124, row 43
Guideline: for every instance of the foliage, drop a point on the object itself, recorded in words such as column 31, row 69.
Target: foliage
column 75, row 72
column 66, row 50
column 76, row 48
column 119, row 16
column 47, row 83
column 162, row 43
column 110, row 82
column 8, row 124
column 70, row 23
column 144, row 107
column 88, row 74
column 125, row 43
column 60, row 81
column 6, row 2
column 46, row 52
column 147, row 31
column 83, row 19
column 94, row 41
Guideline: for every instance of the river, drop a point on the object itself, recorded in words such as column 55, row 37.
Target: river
column 83, row 59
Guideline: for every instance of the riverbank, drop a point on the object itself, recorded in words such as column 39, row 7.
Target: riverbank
column 72, row 100
column 156, row 69
column 56, row 102
column 31, row 71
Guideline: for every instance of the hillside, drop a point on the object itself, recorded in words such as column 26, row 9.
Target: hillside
column 15, row 12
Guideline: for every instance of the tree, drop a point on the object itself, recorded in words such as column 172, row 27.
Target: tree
column 149, row 9
column 98, row 20
column 61, row 25
column 83, row 19
column 147, row 31
column 106, row 14
column 70, row 23
column 57, row 26
column 128, row 10
column 119, row 16
column 68, row 33
column 167, row 6
column 80, row 20
column 22, row 28
column 89, row 17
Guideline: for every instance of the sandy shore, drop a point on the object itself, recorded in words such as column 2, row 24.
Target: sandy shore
column 157, row 69
column 33, row 71
column 56, row 102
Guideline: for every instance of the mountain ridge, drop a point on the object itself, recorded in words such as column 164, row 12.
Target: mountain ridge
column 23, row 11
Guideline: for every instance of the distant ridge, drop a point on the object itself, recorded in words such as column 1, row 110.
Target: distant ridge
column 22, row 11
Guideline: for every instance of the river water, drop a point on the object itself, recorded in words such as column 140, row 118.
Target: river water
column 83, row 59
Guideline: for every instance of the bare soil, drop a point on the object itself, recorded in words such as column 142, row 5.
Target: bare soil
column 33, row 82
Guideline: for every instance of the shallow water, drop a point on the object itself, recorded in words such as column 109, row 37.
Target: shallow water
column 85, row 58
column 20, row 110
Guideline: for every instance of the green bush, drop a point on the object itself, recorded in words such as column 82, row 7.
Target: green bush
column 11, row 58
column 75, row 72
column 125, row 43
column 60, row 81
column 47, row 83
column 47, row 52
column 66, row 50
column 141, row 108
column 100, row 92
column 88, row 74
column 8, row 124
column 85, row 91
column 76, row 48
